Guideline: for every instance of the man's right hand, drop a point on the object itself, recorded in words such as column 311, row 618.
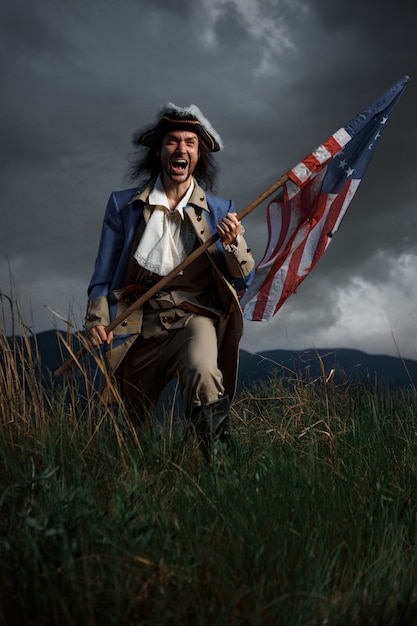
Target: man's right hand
column 97, row 336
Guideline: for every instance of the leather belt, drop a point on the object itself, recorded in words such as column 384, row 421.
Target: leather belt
column 199, row 310
column 131, row 293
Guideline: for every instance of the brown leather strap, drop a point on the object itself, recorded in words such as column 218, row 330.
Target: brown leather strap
column 192, row 308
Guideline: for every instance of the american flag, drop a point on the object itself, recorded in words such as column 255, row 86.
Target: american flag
column 303, row 220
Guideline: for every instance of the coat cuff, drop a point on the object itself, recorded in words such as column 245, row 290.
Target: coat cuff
column 239, row 259
column 97, row 313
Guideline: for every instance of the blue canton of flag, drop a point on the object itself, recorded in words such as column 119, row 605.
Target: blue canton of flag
column 353, row 160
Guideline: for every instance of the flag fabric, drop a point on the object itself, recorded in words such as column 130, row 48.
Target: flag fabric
column 303, row 220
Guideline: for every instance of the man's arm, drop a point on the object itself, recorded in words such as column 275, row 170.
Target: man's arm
column 238, row 257
column 110, row 246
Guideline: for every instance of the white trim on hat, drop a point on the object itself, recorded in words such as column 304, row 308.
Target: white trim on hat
column 172, row 109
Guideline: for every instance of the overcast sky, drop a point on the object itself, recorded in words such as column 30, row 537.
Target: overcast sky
column 275, row 78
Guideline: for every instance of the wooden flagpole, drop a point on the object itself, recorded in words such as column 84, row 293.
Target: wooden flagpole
column 166, row 279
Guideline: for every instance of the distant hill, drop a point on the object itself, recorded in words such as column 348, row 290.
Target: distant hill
column 348, row 365
column 345, row 365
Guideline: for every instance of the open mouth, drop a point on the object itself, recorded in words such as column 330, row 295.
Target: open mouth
column 179, row 164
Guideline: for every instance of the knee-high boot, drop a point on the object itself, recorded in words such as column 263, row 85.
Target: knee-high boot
column 211, row 422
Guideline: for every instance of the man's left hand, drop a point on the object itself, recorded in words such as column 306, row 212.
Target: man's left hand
column 229, row 228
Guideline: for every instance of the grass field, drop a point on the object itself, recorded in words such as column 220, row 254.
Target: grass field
column 310, row 519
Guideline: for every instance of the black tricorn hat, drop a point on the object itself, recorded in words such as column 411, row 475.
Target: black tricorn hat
column 172, row 117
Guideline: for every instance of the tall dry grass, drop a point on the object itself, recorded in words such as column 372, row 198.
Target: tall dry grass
column 310, row 519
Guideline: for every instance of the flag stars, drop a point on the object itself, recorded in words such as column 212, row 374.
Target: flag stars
column 384, row 120
column 377, row 136
column 344, row 164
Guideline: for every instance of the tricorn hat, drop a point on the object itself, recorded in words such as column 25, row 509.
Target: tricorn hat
column 172, row 117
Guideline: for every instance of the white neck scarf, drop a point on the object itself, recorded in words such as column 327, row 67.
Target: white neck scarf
column 168, row 238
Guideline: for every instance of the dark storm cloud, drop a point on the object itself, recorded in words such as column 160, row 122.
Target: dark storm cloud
column 274, row 78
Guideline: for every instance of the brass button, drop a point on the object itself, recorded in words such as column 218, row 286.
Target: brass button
column 124, row 323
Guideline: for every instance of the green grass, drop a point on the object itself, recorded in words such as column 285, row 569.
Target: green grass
column 311, row 519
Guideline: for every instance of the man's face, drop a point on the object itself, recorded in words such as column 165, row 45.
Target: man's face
column 179, row 155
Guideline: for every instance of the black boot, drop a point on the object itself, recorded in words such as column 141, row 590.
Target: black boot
column 212, row 424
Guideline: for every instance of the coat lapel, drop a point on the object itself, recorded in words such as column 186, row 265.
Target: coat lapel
column 198, row 212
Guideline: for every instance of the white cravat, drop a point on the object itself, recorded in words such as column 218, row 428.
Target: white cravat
column 168, row 238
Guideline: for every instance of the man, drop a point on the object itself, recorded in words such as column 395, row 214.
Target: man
column 191, row 329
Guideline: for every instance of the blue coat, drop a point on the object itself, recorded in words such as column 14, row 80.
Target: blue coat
column 233, row 272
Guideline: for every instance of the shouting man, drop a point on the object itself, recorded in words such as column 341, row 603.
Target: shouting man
column 191, row 329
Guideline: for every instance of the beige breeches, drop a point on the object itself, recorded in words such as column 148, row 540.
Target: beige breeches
column 188, row 354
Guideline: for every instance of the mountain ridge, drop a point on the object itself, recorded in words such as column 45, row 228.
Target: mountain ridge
column 343, row 364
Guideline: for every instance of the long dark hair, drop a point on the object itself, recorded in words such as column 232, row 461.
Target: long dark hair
column 145, row 167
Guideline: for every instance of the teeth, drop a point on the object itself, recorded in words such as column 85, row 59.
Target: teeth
column 180, row 163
